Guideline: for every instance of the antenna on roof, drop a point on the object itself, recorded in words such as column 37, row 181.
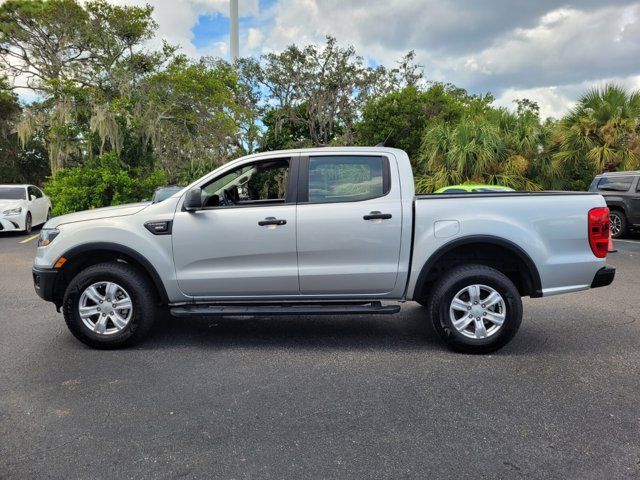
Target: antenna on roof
column 384, row 142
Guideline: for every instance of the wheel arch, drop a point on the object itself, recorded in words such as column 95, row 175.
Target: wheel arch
column 83, row 256
column 488, row 250
column 617, row 208
column 617, row 205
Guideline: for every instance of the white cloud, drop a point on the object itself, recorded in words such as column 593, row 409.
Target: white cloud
column 176, row 19
column 254, row 39
column 551, row 100
column 566, row 46
column 546, row 50
column 542, row 50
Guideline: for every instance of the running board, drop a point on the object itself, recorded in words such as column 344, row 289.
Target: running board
column 218, row 310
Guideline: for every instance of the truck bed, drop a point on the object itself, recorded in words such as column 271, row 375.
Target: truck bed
column 549, row 227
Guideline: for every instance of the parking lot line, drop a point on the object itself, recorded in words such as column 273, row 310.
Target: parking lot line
column 30, row 238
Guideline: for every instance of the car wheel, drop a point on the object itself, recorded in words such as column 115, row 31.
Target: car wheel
column 28, row 224
column 617, row 223
column 110, row 305
column 475, row 309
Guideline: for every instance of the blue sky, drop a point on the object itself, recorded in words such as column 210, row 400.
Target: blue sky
column 210, row 28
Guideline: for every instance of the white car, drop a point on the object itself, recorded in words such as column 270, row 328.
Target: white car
column 22, row 207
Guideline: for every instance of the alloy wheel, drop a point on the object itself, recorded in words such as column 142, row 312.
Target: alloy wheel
column 615, row 224
column 477, row 311
column 105, row 308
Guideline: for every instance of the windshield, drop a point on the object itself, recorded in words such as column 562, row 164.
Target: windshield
column 13, row 193
column 163, row 193
column 216, row 187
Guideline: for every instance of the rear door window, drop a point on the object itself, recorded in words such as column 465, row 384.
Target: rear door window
column 615, row 184
column 347, row 178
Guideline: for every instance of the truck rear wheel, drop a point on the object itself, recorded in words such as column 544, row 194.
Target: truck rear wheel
column 475, row 309
column 109, row 305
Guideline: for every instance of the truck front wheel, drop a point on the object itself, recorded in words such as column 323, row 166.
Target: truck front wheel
column 109, row 305
column 475, row 309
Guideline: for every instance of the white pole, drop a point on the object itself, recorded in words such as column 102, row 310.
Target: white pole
column 233, row 30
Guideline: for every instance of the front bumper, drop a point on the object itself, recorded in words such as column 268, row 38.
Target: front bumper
column 44, row 282
column 603, row 277
column 11, row 224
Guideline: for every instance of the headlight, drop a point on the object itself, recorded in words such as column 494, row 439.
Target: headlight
column 13, row 211
column 47, row 236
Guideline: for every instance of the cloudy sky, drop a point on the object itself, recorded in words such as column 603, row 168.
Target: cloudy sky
column 547, row 50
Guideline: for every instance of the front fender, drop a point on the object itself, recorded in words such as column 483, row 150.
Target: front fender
column 153, row 252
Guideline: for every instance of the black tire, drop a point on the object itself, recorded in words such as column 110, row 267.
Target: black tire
column 28, row 224
column 623, row 223
column 446, row 289
column 139, row 288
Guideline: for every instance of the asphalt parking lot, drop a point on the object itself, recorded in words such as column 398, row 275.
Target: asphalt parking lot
column 323, row 397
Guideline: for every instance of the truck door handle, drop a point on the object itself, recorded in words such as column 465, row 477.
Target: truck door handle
column 271, row 221
column 377, row 216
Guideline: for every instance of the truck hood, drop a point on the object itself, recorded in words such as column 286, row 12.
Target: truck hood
column 8, row 204
column 97, row 213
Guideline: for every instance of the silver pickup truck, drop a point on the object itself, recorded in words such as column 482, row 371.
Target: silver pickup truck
column 321, row 231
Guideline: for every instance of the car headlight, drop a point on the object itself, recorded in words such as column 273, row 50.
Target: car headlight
column 13, row 211
column 47, row 235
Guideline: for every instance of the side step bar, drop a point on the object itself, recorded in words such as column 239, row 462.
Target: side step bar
column 219, row 310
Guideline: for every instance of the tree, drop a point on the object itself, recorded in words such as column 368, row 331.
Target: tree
column 601, row 133
column 400, row 117
column 494, row 148
column 76, row 57
column 326, row 81
column 319, row 91
column 189, row 113
column 280, row 134
column 51, row 43
column 100, row 182
column 18, row 165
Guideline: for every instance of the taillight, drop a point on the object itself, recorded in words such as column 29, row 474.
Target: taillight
column 599, row 231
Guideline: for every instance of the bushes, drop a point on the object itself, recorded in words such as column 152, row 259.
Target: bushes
column 100, row 182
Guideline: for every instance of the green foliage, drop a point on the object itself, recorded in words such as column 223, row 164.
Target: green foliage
column 601, row 133
column 188, row 112
column 398, row 118
column 18, row 165
column 495, row 147
column 314, row 95
column 100, row 182
column 282, row 133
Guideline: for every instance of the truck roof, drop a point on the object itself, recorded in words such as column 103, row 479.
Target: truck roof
column 327, row 150
column 629, row 172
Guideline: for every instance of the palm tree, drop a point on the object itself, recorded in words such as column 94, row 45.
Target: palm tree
column 494, row 147
column 601, row 132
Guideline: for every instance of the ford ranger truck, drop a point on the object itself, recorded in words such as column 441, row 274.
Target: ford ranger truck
column 331, row 231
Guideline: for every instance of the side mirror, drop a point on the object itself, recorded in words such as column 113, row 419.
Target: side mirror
column 193, row 200
column 32, row 198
